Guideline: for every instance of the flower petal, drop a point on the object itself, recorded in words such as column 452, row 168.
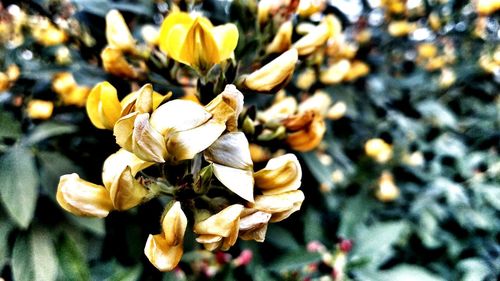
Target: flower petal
column 232, row 150
column 170, row 41
column 280, row 175
column 178, row 115
column 162, row 255
column 221, row 223
column 116, row 163
column 103, row 107
column 238, row 181
column 174, row 225
column 226, row 37
column 147, row 143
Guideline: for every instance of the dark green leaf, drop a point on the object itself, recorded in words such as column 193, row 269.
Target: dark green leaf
column 52, row 166
column 313, row 228
column 71, row 260
column 5, row 228
column 48, row 130
column 281, row 238
column 9, row 127
column 294, row 260
column 19, row 184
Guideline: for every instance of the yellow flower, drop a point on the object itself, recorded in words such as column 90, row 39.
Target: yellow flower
column 4, row 82
column 336, row 72
column 253, row 224
column 358, row 69
column 279, row 110
column 282, row 40
column 329, row 27
column 219, row 230
column 337, row 111
column 103, row 106
column 280, row 206
column 487, row 7
column 307, row 130
column 40, row 109
column 165, row 250
column 232, row 163
column 118, row 174
column 379, row 150
column 194, row 41
column 83, row 198
column 280, row 175
column 47, row 34
column 319, row 103
column 274, row 74
column 400, row 28
column 117, row 32
column 308, row 7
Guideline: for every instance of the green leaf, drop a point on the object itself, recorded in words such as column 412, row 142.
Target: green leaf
column 294, row 261
column 9, row 127
column 376, row 241
column 19, row 185
column 281, row 238
column 49, row 129
column 94, row 225
column 71, row 260
column 353, row 214
column 319, row 171
column 33, row 257
column 313, row 229
column 52, row 166
column 5, row 228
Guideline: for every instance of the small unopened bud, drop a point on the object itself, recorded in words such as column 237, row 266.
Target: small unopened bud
column 40, row 109
column 337, row 111
column 400, row 28
column 386, row 190
column 118, row 33
column 345, row 245
column 379, row 150
column 273, row 74
column 244, row 258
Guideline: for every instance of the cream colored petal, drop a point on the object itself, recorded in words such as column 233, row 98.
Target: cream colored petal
column 281, row 174
column 221, row 223
column 117, row 33
column 233, row 236
column 126, row 192
column 163, row 256
column 124, row 129
column 178, row 115
column 144, row 103
column 238, row 181
column 319, row 102
column 253, row 221
column 147, row 143
column 186, row 144
column 208, row 238
column 274, row 73
column 310, row 42
column 116, row 163
column 227, row 106
column 174, row 225
column 277, row 217
column 279, row 110
column 212, row 246
column 232, row 150
column 226, row 37
column 282, row 40
column 277, row 203
column 258, row 234
column 83, row 198
column 336, row 72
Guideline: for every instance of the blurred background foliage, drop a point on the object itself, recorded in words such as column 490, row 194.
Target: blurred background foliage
column 427, row 209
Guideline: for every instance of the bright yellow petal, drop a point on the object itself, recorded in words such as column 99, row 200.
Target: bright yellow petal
column 111, row 108
column 227, row 39
column 93, row 101
column 182, row 22
column 200, row 48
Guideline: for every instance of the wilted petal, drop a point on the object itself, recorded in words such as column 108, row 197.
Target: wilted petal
column 226, row 107
column 116, row 163
column 124, row 129
column 83, row 198
column 238, row 181
column 253, row 225
column 162, row 255
column 178, row 115
column 282, row 40
column 147, row 143
column 221, row 223
column 279, row 205
column 208, row 238
column 281, row 174
column 174, row 224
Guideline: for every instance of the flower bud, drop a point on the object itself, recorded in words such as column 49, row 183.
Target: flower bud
column 63, row 83
column 386, row 190
column 282, row 40
column 253, row 225
column 165, row 250
column 83, row 198
column 357, row 70
column 319, row 103
column 336, row 72
column 337, row 111
column 103, row 107
column 114, row 62
column 280, row 175
column 273, row 74
column 280, row 206
column 219, row 230
column 307, row 130
column 117, row 32
column 379, row 150
column 47, row 34
column 40, row 109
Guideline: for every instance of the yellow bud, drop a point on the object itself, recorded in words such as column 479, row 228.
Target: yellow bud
column 165, row 250
column 114, row 62
column 13, row 72
column 273, row 74
column 400, row 28
column 4, row 82
column 386, row 191
column 358, row 69
column 335, row 72
column 337, row 111
column 434, row 21
column 103, row 107
column 47, row 34
column 63, row 83
column 307, row 131
column 379, row 150
column 306, row 79
column 40, row 109
column 280, row 175
column 83, row 198
column 219, row 230
column 77, row 96
column 282, row 40
column 427, row 50
column 447, row 78
column 329, row 27
column 117, row 32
